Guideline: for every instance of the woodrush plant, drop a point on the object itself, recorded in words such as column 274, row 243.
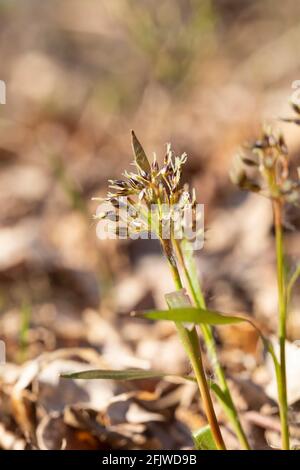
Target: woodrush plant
column 263, row 167
column 150, row 185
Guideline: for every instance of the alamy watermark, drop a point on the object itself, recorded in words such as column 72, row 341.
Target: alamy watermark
column 125, row 220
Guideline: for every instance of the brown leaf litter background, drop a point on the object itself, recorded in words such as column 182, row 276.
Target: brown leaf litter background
column 203, row 75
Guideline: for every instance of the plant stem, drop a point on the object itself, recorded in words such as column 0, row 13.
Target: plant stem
column 207, row 332
column 190, row 342
column 282, row 310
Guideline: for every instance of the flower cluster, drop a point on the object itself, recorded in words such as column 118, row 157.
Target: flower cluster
column 264, row 167
column 151, row 200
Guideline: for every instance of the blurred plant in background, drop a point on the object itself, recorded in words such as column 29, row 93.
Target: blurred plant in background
column 272, row 179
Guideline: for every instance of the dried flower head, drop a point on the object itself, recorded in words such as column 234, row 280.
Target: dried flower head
column 153, row 196
column 263, row 167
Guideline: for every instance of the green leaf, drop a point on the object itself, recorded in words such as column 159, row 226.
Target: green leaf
column 202, row 316
column 140, row 155
column 203, row 439
column 127, row 374
column 193, row 315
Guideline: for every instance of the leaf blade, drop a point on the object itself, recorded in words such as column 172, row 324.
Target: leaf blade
column 126, row 374
column 201, row 316
column 107, row 374
column 193, row 315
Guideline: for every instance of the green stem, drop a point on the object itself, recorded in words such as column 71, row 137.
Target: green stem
column 190, row 342
column 207, row 332
column 282, row 310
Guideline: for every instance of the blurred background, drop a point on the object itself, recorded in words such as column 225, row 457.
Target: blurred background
column 201, row 74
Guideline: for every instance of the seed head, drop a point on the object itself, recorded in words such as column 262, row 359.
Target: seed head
column 151, row 185
column 263, row 167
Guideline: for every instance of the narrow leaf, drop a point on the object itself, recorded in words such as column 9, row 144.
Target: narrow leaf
column 139, row 154
column 207, row 317
column 203, row 439
column 127, row 374
column 193, row 315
